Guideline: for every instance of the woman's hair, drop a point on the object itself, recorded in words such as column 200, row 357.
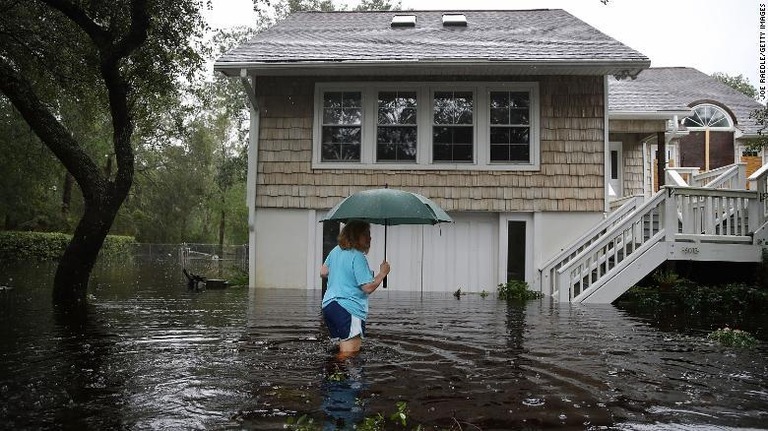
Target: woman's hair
column 351, row 233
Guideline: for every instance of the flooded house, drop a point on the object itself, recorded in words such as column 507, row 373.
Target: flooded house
column 537, row 133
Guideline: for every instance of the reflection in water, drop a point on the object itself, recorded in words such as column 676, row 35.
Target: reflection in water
column 151, row 355
column 341, row 391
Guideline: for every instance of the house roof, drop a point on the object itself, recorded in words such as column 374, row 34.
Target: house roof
column 512, row 42
column 669, row 88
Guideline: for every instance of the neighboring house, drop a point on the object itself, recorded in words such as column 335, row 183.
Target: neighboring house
column 498, row 116
column 714, row 133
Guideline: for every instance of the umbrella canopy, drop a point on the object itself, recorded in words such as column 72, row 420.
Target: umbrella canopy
column 388, row 207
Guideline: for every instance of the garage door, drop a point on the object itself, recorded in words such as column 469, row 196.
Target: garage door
column 445, row 257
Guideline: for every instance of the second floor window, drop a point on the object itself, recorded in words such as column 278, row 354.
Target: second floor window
column 510, row 124
column 453, row 126
column 342, row 126
column 396, row 131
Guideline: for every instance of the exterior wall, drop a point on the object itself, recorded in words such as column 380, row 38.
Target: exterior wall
column 571, row 177
column 282, row 252
column 555, row 231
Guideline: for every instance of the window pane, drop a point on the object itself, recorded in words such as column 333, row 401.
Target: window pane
column 443, row 107
column 519, row 153
column 510, row 144
column 352, row 115
column 452, row 144
column 331, row 116
column 342, row 107
column 397, row 107
column 396, row 144
column 519, row 100
column 519, row 116
column 453, row 107
column 499, row 115
column 463, row 108
column 332, row 99
column 340, row 144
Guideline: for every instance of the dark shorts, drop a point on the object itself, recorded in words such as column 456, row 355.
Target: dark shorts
column 341, row 324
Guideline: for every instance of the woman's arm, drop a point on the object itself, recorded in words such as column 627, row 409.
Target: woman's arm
column 383, row 271
column 324, row 271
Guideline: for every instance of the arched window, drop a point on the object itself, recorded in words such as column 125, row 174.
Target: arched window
column 708, row 116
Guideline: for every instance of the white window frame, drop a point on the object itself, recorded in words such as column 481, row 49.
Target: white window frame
column 425, row 91
column 717, row 109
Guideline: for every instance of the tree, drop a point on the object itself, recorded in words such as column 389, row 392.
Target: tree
column 738, row 82
column 119, row 56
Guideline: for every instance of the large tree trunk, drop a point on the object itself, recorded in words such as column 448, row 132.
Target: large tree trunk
column 66, row 195
column 70, row 284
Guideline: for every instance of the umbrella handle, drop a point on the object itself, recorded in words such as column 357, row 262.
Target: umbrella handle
column 385, row 253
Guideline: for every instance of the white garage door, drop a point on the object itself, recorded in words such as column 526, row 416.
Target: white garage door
column 445, row 257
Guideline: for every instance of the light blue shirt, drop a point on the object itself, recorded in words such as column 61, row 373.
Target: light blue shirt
column 348, row 271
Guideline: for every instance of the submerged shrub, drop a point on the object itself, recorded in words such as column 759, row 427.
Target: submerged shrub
column 733, row 338
column 517, row 290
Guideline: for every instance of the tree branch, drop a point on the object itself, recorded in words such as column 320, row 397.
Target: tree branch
column 50, row 130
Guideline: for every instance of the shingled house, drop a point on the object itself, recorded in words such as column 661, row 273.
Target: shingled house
column 713, row 132
column 498, row 116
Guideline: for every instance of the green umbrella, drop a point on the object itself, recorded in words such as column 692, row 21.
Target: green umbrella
column 388, row 207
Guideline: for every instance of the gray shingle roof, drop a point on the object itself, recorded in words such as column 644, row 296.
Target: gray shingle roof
column 530, row 37
column 667, row 88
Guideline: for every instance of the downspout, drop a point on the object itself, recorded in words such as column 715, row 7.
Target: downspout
column 253, row 151
column 606, row 148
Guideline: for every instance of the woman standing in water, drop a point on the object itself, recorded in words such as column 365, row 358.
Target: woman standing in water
column 350, row 281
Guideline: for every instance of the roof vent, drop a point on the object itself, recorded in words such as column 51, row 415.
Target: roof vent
column 454, row 20
column 404, row 21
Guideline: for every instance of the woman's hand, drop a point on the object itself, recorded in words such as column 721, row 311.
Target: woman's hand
column 384, row 268
column 324, row 271
column 383, row 271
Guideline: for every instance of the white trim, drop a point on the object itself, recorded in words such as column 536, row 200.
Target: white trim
column 431, row 67
column 425, row 92
column 646, row 115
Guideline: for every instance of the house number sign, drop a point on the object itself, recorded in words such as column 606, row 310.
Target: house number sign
column 690, row 250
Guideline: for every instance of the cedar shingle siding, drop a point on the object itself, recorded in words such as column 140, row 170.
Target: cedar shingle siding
column 570, row 177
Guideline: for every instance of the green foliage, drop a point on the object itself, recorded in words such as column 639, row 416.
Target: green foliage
column 733, row 338
column 303, row 423
column 739, row 83
column 41, row 246
column 377, row 422
column 667, row 279
column 517, row 290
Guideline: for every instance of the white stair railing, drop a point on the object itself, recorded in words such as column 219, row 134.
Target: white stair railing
column 674, row 214
column 733, row 177
column 623, row 239
column 546, row 273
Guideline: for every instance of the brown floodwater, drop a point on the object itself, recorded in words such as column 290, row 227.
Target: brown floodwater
column 150, row 355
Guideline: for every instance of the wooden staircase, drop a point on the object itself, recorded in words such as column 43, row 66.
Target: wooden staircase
column 709, row 223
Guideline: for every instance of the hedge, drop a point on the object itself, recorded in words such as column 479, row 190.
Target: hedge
column 42, row 246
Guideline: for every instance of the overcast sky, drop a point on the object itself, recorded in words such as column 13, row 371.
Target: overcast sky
column 709, row 35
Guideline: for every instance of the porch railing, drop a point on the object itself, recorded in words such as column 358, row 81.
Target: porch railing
column 674, row 214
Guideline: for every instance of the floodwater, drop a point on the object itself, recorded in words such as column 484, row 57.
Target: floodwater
column 151, row 355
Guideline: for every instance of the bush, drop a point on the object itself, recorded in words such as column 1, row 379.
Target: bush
column 733, row 338
column 517, row 290
column 41, row 246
